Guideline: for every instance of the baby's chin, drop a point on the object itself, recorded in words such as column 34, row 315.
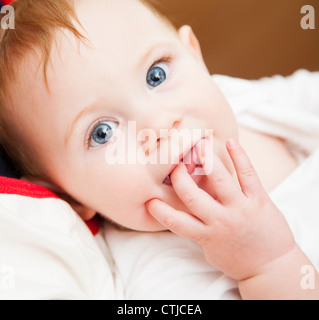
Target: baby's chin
column 151, row 225
column 146, row 225
column 149, row 229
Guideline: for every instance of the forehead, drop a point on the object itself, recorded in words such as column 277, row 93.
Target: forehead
column 118, row 15
column 120, row 32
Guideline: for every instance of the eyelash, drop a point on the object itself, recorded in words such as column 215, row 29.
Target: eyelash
column 92, row 128
column 164, row 59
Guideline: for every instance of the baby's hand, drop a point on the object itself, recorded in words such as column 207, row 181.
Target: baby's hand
column 241, row 230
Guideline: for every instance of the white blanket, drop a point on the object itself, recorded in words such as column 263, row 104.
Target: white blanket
column 47, row 252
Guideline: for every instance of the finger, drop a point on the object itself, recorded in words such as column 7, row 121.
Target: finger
column 200, row 203
column 247, row 175
column 179, row 222
column 222, row 184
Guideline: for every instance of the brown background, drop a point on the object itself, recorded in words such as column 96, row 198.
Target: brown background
column 250, row 38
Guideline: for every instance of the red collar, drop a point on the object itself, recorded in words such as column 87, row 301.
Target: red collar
column 27, row 189
column 5, row 2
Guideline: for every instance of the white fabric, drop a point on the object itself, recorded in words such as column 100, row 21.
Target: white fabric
column 286, row 107
column 46, row 251
column 164, row 266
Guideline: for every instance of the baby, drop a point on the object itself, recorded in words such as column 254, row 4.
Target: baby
column 76, row 75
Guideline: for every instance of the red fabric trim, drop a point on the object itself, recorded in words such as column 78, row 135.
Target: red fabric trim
column 24, row 188
column 94, row 225
column 5, row 2
column 27, row 189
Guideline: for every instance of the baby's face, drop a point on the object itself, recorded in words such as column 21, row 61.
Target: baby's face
column 136, row 77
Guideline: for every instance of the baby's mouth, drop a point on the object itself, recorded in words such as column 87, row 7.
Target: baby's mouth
column 191, row 162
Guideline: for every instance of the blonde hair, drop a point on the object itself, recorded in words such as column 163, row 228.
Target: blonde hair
column 35, row 24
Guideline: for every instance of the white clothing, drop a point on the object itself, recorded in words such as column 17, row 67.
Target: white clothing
column 47, row 252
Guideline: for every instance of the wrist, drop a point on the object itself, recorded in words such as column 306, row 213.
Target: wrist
column 281, row 279
column 281, row 262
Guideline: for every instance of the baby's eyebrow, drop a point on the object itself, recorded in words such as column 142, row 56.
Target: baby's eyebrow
column 88, row 109
column 153, row 48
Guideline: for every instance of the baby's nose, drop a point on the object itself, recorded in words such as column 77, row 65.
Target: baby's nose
column 154, row 138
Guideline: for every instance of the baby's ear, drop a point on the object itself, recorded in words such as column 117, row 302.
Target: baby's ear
column 189, row 39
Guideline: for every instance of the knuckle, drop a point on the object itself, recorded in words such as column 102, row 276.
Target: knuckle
column 246, row 208
column 254, row 206
column 195, row 236
column 262, row 201
column 202, row 241
column 218, row 179
column 222, row 224
column 248, row 171
column 189, row 199
column 170, row 222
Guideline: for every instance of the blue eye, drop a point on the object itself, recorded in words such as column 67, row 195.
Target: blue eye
column 157, row 74
column 102, row 133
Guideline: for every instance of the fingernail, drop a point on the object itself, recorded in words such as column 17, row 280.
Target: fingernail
column 232, row 143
